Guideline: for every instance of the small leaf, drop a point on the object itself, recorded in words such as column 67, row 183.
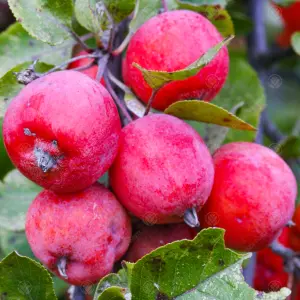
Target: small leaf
column 16, row 194
column 176, row 268
column 296, row 42
column 17, row 47
column 289, row 147
column 230, row 284
column 22, row 278
column 144, row 10
column 10, row 87
column 119, row 9
column 208, row 113
column 217, row 15
column 134, row 105
column 46, row 20
column 157, row 79
column 112, row 285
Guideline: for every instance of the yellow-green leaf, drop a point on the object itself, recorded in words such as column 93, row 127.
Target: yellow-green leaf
column 208, row 113
column 157, row 79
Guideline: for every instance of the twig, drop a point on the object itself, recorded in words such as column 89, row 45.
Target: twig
column 77, row 292
column 82, row 68
column 70, row 61
column 118, row 101
column 102, row 64
column 124, row 44
column 270, row 129
column 118, row 83
column 78, row 39
column 149, row 104
column 164, row 5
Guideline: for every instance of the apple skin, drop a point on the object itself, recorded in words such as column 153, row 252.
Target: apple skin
column 253, row 196
column 62, row 131
column 150, row 238
column 90, row 229
column 162, row 169
column 169, row 42
column 91, row 71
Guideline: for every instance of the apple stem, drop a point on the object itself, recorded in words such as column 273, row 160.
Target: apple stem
column 118, row 83
column 164, row 5
column 123, row 45
column 77, row 39
column 102, row 63
column 61, row 267
column 191, row 218
column 149, row 104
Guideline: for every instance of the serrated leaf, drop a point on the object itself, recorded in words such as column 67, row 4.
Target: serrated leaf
column 215, row 134
column 10, row 87
column 201, row 111
column 113, row 286
column 157, row 79
column 15, row 241
column 217, row 15
column 119, row 9
column 246, row 89
column 296, row 42
column 22, row 278
column 289, row 147
column 46, row 20
column 16, row 194
column 17, row 47
column 230, row 284
column 178, row 267
column 144, row 10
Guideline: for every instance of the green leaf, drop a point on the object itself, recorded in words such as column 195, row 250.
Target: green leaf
column 246, row 89
column 144, row 10
column 22, row 278
column 216, row 135
column 296, row 42
column 157, row 79
column 15, row 241
column 289, row 147
column 10, row 87
column 16, row 194
column 179, row 267
column 206, row 112
column 230, row 284
column 119, row 9
column 218, row 16
column 46, row 20
column 112, row 286
column 17, row 47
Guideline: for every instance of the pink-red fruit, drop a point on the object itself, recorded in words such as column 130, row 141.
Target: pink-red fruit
column 253, row 195
column 169, row 42
column 62, row 131
column 162, row 169
column 87, row 231
column 152, row 237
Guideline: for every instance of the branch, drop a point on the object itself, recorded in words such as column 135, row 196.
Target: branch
column 164, row 5
column 270, row 129
column 78, row 39
column 118, row 101
column 77, row 292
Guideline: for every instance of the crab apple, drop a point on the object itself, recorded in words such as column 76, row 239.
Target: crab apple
column 253, row 195
column 169, row 42
column 153, row 237
column 78, row 236
column 62, row 131
column 91, row 71
column 163, row 168
column 291, row 18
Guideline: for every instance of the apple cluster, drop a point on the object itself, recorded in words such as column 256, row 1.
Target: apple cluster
column 63, row 132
